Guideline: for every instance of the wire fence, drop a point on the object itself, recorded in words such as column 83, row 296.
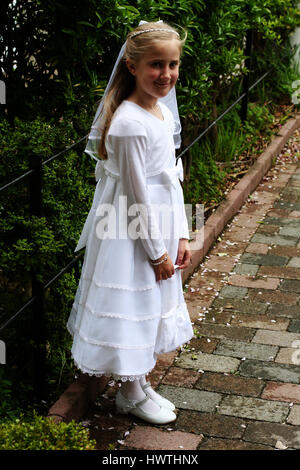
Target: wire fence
column 34, row 176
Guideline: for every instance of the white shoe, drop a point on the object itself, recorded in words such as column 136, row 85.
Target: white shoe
column 159, row 400
column 124, row 406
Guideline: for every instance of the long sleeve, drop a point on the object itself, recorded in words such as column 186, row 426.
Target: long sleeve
column 130, row 150
column 184, row 228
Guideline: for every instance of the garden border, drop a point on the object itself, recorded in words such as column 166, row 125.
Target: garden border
column 74, row 402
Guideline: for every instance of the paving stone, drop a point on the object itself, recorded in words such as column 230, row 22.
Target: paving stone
column 164, row 361
column 242, row 306
column 246, row 220
column 184, row 377
column 294, row 262
column 250, row 269
column 248, row 350
column 289, row 197
column 217, row 316
column 210, row 424
column 291, row 222
column 107, row 429
column 290, row 191
column 246, row 281
column 231, row 332
column 288, row 356
column 197, row 304
column 294, row 326
column 263, row 260
column 260, row 321
column 158, row 439
column 279, row 272
column 222, row 264
column 270, row 371
column 201, row 344
column 273, row 296
column 294, row 417
column 254, row 408
column 211, row 280
column 238, row 234
column 282, row 392
column 288, row 311
column 295, row 213
column 228, row 383
column 268, row 229
column 289, row 231
column 258, row 209
column 264, row 197
column 190, row 399
column 209, row 362
column 225, row 246
column 273, row 239
column 278, row 213
column 276, row 338
column 270, row 433
column 289, row 251
column 290, row 285
column 230, row 444
column 293, row 206
column 258, row 248
column 233, row 292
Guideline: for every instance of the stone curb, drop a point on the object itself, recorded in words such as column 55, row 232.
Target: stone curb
column 75, row 401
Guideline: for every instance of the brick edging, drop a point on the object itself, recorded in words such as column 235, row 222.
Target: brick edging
column 235, row 199
column 74, row 402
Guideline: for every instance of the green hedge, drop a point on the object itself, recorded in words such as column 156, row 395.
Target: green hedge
column 42, row 433
column 45, row 244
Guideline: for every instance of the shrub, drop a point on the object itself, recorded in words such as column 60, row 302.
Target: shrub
column 41, row 433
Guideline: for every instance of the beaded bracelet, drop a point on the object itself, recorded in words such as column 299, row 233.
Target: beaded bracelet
column 159, row 262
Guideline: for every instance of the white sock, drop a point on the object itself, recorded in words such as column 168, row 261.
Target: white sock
column 132, row 390
column 152, row 393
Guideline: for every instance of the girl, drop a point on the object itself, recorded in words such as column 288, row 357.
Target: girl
column 129, row 306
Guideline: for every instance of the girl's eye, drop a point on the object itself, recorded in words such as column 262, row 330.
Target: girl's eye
column 159, row 64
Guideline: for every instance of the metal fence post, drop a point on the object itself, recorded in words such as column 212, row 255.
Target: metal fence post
column 246, row 76
column 38, row 308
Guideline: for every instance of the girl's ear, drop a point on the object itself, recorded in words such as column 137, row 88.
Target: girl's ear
column 131, row 66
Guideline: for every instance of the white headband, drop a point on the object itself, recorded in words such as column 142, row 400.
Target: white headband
column 153, row 29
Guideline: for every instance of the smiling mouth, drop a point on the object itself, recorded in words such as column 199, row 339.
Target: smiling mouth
column 162, row 84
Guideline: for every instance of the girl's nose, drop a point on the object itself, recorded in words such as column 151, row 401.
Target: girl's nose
column 165, row 72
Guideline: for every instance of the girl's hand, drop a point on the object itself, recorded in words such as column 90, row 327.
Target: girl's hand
column 184, row 254
column 164, row 270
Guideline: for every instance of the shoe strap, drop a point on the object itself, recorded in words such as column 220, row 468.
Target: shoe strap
column 143, row 401
column 129, row 404
column 147, row 384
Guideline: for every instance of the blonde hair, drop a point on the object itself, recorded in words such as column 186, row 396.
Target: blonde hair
column 124, row 82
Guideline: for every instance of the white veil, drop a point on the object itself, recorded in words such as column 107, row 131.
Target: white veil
column 95, row 133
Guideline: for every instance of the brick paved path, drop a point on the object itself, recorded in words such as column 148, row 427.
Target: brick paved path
column 236, row 385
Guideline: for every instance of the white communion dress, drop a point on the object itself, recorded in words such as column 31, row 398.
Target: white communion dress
column 122, row 318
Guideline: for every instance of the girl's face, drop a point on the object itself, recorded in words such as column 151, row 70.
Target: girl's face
column 157, row 72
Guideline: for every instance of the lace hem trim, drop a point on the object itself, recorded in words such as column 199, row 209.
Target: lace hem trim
column 97, row 373
column 111, row 285
column 116, row 315
column 105, row 344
